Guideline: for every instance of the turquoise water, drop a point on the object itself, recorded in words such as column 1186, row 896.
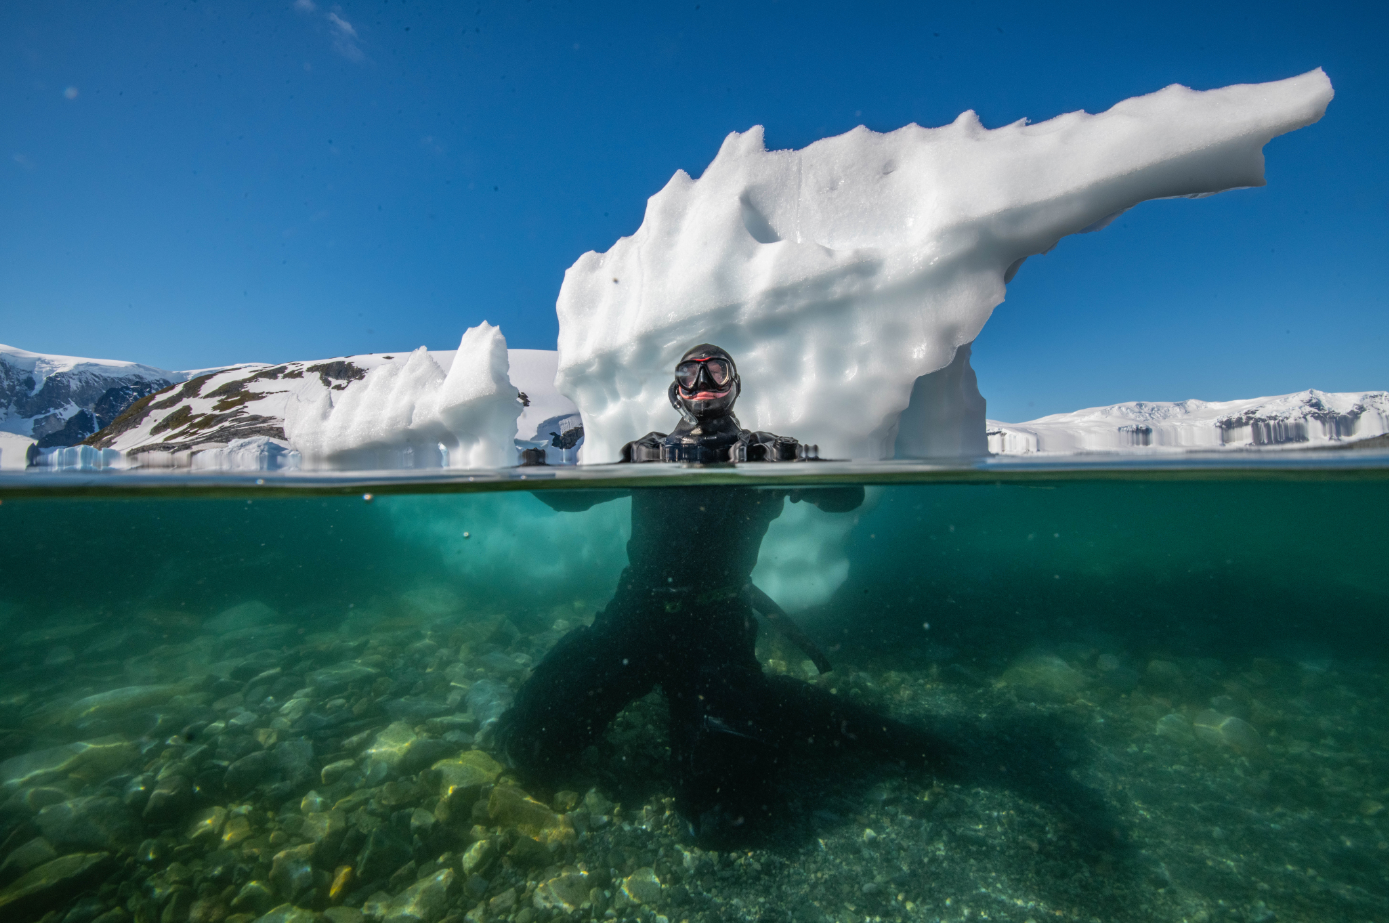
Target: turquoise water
column 222, row 699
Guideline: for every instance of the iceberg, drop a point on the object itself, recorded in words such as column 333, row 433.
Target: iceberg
column 841, row 274
column 1307, row 419
column 409, row 413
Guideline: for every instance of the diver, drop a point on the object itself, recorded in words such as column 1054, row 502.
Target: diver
column 682, row 619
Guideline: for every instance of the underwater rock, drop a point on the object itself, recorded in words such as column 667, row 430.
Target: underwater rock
column 93, row 759
column 509, row 806
column 29, row 855
column 566, row 893
column 238, row 829
column 1163, row 675
column 422, row 753
column 487, row 700
column 320, row 826
column 1175, row 728
column 478, row 857
column 391, row 745
column 471, row 770
column 207, row 826
column 288, row 913
column 115, row 703
column 642, row 887
column 254, row 897
column 248, row 772
column 422, row 902
column 384, row 851
column 1228, row 731
column 1046, row 674
column 291, row 872
column 339, row 676
column 336, row 770
column 250, row 614
column 169, row 800
column 91, row 822
column 50, row 885
column 343, row 915
column 415, row 709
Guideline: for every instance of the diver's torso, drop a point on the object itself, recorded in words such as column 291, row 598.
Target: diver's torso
column 698, row 539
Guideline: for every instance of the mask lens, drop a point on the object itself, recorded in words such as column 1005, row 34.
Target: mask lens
column 719, row 371
column 687, row 373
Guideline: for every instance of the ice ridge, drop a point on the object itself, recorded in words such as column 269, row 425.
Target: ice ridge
column 840, row 274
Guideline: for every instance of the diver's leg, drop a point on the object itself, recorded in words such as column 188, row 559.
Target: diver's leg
column 724, row 758
column 802, row 714
column 590, row 675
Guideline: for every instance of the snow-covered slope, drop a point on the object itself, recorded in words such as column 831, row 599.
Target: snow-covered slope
column 61, row 400
column 235, row 417
column 1306, row 419
column 839, row 274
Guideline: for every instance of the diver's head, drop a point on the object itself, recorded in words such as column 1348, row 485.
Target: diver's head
column 706, row 383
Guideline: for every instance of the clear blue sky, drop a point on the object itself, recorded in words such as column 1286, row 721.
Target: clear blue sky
column 190, row 184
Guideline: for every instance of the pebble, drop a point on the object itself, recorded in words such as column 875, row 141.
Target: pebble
column 566, row 893
column 642, row 887
column 333, row 772
column 207, row 825
column 1228, row 731
column 1175, row 728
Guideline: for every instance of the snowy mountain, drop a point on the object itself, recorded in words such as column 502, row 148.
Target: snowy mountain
column 62, row 400
column 1307, row 419
column 235, row 417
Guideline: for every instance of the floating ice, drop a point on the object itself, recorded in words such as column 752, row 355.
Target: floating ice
column 1308, row 418
column 839, row 274
column 407, row 413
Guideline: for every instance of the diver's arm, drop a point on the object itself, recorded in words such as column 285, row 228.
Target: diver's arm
column 645, row 449
column 769, row 447
column 831, row 499
column 576, row 501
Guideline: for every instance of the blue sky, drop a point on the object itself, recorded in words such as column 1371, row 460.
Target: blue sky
column 190, row 184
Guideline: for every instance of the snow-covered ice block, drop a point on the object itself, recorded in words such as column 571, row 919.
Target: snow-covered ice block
column 1305, row 419
column 408, row 413
column 839, row 274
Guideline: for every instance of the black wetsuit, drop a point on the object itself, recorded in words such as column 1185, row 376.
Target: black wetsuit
column 682, row 619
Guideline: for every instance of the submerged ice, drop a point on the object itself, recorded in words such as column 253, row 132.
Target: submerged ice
column 840, row 274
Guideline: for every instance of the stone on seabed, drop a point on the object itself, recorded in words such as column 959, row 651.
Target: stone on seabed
column 391, row 744
column 50, row 883
column 1045, row 673
column 1228, row 731
column 642, row 887
column 471, row 769
column 99, row 822
column 1175, row 728
column 422, row 902
column 288, row 913
column 565, row 892
column 98, row 758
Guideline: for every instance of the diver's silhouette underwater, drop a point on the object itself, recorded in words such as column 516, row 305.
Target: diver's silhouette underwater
column 682, row 619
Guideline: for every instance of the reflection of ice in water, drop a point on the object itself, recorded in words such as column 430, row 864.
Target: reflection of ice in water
column 804, row 557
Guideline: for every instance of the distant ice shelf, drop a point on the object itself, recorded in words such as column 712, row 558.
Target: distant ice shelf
column 1307, row 419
